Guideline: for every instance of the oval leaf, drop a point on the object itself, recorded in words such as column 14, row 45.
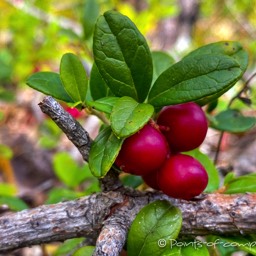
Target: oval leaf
column 155, row 224
column 103, row 152
column 129, row 116
column 49, row 83
column 194, row 79
column 98, row 87
column 232, row 120
column 122, row 56
column 73, row 77
column 231, row 48
column 242, row 184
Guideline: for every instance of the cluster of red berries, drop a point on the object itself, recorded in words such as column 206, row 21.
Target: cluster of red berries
column 154, row 152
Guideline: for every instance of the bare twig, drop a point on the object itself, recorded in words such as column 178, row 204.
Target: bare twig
column 73, row 129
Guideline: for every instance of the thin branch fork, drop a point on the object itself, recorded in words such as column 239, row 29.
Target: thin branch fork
column 110, row 213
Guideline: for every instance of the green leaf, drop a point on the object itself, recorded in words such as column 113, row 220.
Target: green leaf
column 49, row 83
column 231, row 48
column 129, row 116
column 132, row 181
column 68, row 246
column 98, row 87
column 161, row 61
column 202, row 78
column 103, row 152
column 213, row 175
column 231, row 120
column 73, row 77
column 67, row 170
column 89, row 18
column 85, row 251
column 246, row 243
column 13, row 203
column 104, row 104
column 57, row 195
column 156, row 222
column 122, row 56
column 242, row 184
column 186, row 248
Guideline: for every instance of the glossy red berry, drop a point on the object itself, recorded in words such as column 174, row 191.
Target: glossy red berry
column 182, row 177
column 184, row 126
column 143, row 152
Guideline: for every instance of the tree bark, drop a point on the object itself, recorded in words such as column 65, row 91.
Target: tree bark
column 110, row 215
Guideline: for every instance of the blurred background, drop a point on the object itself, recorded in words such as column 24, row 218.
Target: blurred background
column 37, row 163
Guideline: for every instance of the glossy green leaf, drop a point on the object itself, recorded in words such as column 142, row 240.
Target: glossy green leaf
column 156, row 223
column 85, row 251
column 49, row 83
column 231, row 48
column 67, row 170
column 68, row 246
column 103, row 104
column 103, row 152
column 89, row 18
column 122, row 56
column 73, row 77
column 242, row 184
column 213, row 175
column 13, row 203
column 161, row 61
column 231, row 120
column 202, row 78
column 128, row 116
column 98, row 87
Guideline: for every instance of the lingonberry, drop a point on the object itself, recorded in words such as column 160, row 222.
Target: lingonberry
column 184, row 125
column 143, row 152
column 182, row 177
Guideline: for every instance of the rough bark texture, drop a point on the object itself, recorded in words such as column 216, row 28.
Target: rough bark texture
column 74, row 131
column 109, row 214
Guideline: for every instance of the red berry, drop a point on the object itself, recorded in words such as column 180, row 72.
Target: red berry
column 182, row 177
column 184, row 125
column 143, row 152
column 74, row 112
column 151, row 179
